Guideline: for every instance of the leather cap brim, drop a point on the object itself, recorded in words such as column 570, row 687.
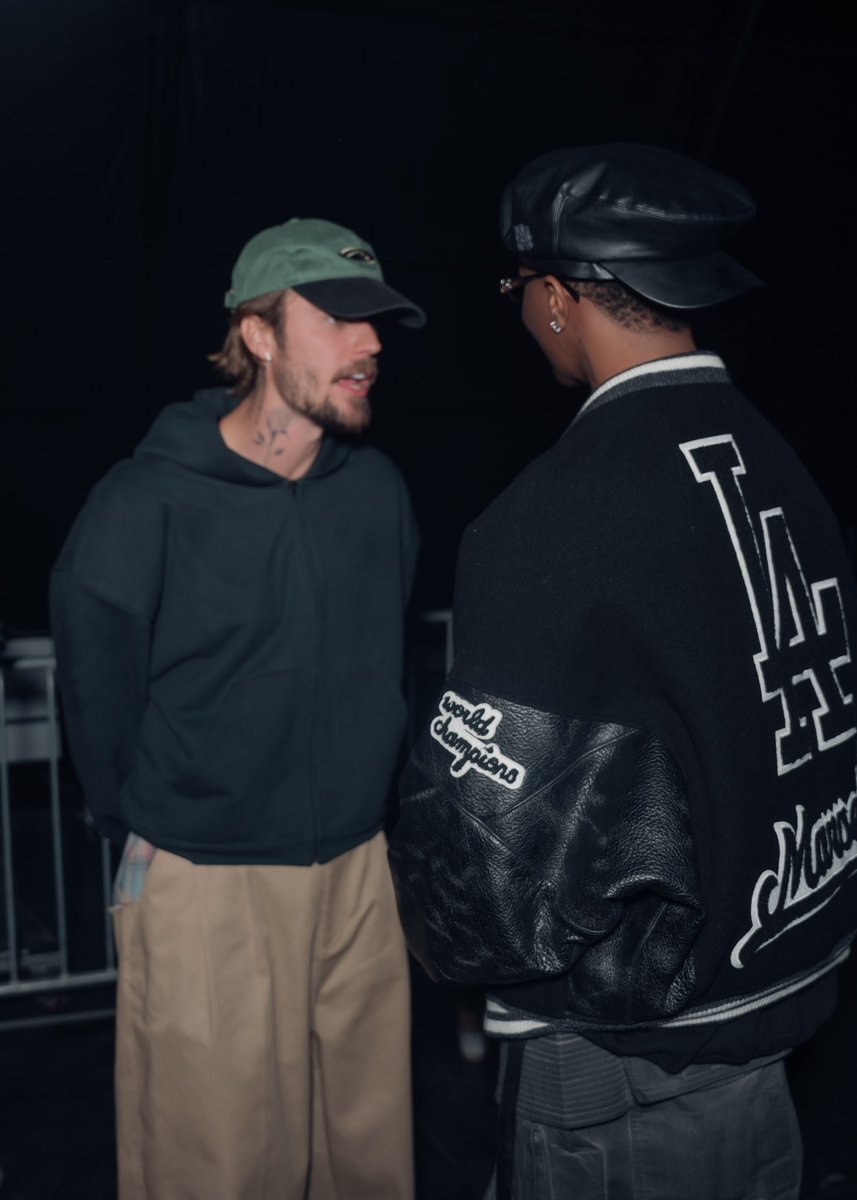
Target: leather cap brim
column 360, row 299
column 684, row 283
column 691, row 283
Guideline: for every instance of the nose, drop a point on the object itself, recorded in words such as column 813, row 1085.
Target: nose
column 366, row 341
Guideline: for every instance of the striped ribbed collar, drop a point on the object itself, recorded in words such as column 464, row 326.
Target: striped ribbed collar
column 702, row 366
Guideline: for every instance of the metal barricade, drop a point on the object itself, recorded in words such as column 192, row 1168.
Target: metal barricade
column 30, row 735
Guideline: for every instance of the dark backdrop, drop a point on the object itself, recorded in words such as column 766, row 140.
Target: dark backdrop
column 145, row 140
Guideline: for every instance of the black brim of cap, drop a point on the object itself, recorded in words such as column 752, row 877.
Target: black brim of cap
column 673, row 283
column 686, row 283
column 360, row 299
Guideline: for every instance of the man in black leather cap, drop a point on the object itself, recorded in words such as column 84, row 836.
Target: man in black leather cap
column 633, row 816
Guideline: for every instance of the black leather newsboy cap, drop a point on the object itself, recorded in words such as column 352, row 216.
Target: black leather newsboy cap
column 650, row 218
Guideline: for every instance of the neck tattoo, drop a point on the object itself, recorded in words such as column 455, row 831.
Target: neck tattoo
column 266, row 432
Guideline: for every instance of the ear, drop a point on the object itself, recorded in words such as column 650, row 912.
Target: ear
column 560, row 302
column 258, row 336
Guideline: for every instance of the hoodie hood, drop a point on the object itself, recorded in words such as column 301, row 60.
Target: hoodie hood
column 189, row 434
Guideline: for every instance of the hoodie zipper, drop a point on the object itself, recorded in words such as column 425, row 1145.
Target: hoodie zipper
column 315, row 590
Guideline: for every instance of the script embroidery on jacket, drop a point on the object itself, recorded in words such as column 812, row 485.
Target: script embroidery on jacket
column 468, row 731
column 814, row 861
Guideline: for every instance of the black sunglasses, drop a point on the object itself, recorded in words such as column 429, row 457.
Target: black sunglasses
column 512, row 287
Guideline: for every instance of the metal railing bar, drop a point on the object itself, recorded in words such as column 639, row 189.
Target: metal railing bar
column 107, row 895
column 56, row 983
column 32, row 962
column 6, row 834
column 95, row 1014
column 56, row 819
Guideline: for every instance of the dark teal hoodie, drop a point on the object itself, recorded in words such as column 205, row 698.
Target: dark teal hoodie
column 229, row 645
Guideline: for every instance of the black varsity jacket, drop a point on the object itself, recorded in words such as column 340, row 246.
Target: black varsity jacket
column 633, row 813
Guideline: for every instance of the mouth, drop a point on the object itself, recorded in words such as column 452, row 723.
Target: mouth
column 357, row 383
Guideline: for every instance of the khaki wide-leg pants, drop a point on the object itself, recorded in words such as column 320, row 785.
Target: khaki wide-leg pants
column 263, row 1033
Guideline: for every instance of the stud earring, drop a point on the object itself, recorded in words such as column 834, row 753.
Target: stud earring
column 556, row 327
column 268, row 357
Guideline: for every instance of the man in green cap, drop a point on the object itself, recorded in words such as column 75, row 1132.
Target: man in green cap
column 228, row 613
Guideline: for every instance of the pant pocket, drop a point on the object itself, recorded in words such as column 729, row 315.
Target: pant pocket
column 557, row 1164
column 133, row 870
column 129, row 888
column 733, row 1141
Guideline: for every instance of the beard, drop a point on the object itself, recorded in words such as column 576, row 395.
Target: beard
column 304, row 394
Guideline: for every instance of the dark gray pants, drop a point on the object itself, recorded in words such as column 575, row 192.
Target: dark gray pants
column 578, row 1123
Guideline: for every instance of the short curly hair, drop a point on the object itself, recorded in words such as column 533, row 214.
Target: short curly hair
column 627, row 308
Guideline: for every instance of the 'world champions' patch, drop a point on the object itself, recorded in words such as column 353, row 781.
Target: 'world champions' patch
column 469, row 732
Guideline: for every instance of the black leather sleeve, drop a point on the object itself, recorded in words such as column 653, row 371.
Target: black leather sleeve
column 529, row 842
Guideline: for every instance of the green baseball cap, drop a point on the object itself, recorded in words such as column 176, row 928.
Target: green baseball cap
column 328, row 265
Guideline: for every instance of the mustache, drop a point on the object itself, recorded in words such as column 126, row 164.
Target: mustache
column 366, row 367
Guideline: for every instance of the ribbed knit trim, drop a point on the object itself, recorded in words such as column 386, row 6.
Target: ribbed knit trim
column 503, row 1021
column 702, row 366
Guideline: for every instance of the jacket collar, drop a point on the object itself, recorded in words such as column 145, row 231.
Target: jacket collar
column 701, row 366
